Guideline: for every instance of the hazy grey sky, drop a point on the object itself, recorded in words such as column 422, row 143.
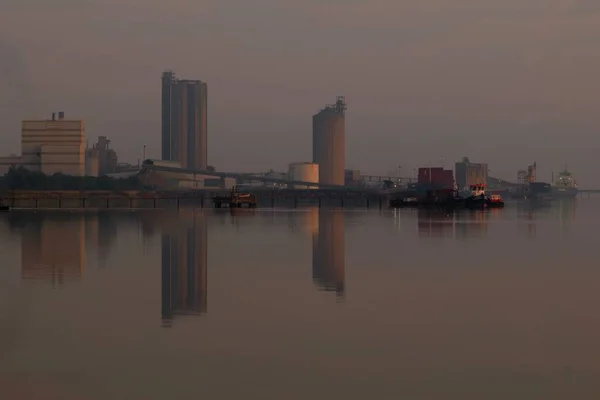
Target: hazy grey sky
column 506, row 82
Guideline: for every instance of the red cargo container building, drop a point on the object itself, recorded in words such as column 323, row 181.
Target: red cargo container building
column 436, row 177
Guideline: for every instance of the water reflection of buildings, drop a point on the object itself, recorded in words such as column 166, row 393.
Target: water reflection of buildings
column 52, row 246
column 566, row 212
column 463, row 224
column 472, row 223
column 329, row 251
column 434, row 223
column 304, row 220
column 563, row 210
column 102, row 231
column 184, row 267
column 530, row 226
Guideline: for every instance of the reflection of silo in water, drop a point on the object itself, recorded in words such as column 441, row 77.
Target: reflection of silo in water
column 311, row 221
column 329, row 251
column 53, row 247
column 433, row 223
column 305, row 220
column 471, row 223
column 184, row 268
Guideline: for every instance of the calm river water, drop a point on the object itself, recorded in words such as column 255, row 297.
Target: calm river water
column 301, row 304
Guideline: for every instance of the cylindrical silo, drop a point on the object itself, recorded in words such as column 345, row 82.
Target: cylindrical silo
column 92, row 162
column 329, row 143
column 304, row 171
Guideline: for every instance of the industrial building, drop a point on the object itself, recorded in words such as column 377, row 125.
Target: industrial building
column 468, row 173
column 176, row 180
column 54, row 146
column 436, row 177
column 92, row 162
column 101, row 159
column 352, row 177
column 329, row 143
column 50, row 146
column 304, row 171
column 184, row 121
column 6, row 163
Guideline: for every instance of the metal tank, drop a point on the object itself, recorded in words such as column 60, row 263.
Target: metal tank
column 304, row 171
column 329, row 142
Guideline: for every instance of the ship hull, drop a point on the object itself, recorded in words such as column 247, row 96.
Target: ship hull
column 564, row 193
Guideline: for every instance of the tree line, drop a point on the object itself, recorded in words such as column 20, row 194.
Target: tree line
column 20, row 178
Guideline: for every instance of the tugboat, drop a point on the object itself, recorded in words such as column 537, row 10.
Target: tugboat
column 480, row 199
column 477, row 197
column 496, row 201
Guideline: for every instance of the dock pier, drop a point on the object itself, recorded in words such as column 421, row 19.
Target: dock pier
column 74, row 199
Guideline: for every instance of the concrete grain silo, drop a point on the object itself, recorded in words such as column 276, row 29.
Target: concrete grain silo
column 329, row 142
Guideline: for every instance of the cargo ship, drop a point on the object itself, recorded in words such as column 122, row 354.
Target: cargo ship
column 538, row 191
column 564, row 186
column 529, row 188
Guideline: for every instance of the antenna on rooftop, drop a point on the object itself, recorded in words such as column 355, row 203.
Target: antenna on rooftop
column 340, row 104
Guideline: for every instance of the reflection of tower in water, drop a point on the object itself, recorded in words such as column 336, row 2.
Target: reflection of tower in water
column 305, row 220
column 329, row 251
column 184, row 268
column 52, row 247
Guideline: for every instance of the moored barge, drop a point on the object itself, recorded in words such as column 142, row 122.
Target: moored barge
column 450, row 198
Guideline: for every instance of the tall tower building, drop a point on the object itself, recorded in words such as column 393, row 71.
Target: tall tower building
column 184, row 121
column 329, row 142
